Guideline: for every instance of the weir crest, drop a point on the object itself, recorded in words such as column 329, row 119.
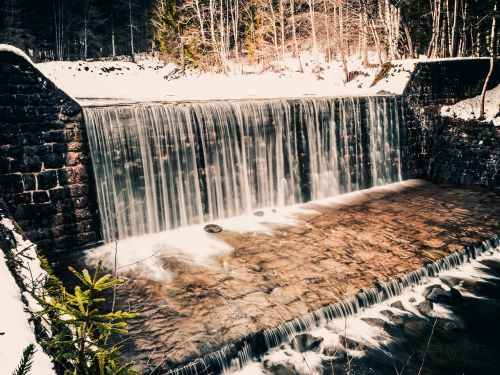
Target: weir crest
column 163, row 166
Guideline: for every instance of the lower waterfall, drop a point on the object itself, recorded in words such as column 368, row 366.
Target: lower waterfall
column 162, row 166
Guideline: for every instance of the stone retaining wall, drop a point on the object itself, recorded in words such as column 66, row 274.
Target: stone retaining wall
column 466, row 153
column 441, row 151
column 45, row 172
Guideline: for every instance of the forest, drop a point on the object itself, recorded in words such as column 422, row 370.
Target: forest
column 213, row 33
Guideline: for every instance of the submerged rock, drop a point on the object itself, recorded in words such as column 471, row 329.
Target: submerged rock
column 259, row 213
column 395, row 319
column 212, row 228
column 398, row 305
column 348, row 343
column 415, row 327
column 425, row 307
column 436, row 293
column 335, row 351
column 306, row 342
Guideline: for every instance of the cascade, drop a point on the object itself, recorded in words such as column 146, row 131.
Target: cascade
column 162, row 166
column 236, row 355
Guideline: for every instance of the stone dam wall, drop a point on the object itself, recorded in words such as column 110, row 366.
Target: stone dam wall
column 45, row 173
column 448, row 150
column 46, row 177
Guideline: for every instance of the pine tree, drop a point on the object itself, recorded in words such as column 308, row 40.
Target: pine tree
column 26, row 363
column 81, row 330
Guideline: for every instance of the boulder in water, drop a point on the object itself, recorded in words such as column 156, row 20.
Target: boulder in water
column 348, row 343
column 306, row 342
column 335, row 351
column 395, row 319
column 398, row 305
column 415, row 327
column 259, row 213
column 425, row 307
column 212, row 228
column 436, row 293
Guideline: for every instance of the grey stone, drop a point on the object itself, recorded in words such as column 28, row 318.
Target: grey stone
column 425, row 307
column 306, row 342
column 212, row 228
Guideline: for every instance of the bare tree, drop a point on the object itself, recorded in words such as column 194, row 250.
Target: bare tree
column 493, row 39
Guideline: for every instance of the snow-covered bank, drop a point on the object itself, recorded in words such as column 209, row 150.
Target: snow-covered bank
column 151, row 80
column 468, row 109
column 16, row 328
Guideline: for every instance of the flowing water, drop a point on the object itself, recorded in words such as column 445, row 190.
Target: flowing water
column 162, row 166
column 401, row 341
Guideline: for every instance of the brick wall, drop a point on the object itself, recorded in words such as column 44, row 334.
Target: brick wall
column 45, row 172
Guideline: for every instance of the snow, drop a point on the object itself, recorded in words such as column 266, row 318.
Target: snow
column 468, row 109
column 193, row 244
column 14, row 319
column 17, row 51
column 152, row 80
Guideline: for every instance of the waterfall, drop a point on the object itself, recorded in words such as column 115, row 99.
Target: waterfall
column 162, row 166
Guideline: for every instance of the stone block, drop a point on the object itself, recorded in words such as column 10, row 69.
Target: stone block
column 70, row 108
column 40, row 197
column 57, row 194
column 75, row 146
column 22, row 198
column 73, row 158
column 54, row 160
column 59, row 148
column 75, row 191
column 11, row 183
column 47, row 180
column 74, row 175
column 83, row 214
column 29, row 181
column 55, row 136
column 86, row 238
column 81, row 202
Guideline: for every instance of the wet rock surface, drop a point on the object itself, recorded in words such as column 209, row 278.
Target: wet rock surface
column 272, row 278
column 306, row 342
column 212, row 228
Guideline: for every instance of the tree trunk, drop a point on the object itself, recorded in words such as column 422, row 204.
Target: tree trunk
column 492, row 62
column 131, row 28
column 454, row 30
column 199, row 15
column 236, row 15
column 294, row 31
column 313, row 30
column 409, row 40
column 327, row 28
column 282, row 24
column 212, row 24
column 275, row 31
column 343, row 52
